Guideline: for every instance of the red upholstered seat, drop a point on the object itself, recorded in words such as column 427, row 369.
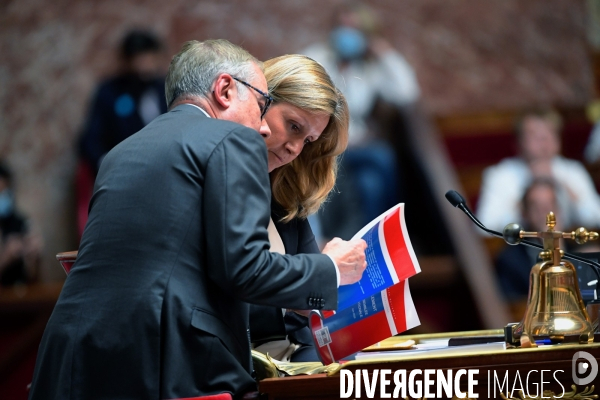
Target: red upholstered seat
column 67, row 259
column 223, row 396
column 84, row 186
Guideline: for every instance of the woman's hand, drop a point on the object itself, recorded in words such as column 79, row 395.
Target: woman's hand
column 349, row 257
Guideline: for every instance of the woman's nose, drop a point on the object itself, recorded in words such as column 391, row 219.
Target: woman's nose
column 264, row 130
column 295, row 146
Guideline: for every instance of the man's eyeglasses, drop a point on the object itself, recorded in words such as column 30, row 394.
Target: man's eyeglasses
column 268, row 99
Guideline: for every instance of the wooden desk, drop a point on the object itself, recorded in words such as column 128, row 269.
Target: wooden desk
column 31, row 297
column 506, row 361
column 24, row 312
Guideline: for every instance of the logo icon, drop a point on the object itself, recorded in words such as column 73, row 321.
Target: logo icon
column 580, row 367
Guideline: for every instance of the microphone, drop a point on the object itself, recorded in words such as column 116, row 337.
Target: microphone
column 459, row 202
column 511, row 233
column 454, row 198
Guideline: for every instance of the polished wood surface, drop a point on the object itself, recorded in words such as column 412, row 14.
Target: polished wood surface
column 553, row 358
column 67, row 256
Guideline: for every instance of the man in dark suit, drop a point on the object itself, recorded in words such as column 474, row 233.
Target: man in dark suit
column 269, row 323
column 176, row 244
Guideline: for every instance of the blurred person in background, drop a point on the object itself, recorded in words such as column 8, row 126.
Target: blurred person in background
column 503, row 185
column 308, row 122
column 20, row 247
column 125, row 103
column 592, row 149
column 592, row 154
column 121, row 106
column 514, row 263
column 366, row 68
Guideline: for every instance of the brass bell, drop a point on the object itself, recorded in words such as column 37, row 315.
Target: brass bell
column 555, row 308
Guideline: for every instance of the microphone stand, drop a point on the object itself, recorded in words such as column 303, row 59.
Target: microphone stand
column 459, row 202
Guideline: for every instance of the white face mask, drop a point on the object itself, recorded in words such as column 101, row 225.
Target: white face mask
column 6, row 203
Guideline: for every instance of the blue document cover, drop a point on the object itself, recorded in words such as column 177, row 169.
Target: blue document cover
column 390, row 257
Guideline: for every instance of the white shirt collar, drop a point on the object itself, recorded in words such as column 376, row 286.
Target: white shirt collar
column 193, row 105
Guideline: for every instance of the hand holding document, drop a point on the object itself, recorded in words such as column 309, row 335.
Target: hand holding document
column 379, row 305
column 349, row 257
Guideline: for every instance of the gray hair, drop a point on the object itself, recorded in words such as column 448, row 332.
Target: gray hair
column 194, row 69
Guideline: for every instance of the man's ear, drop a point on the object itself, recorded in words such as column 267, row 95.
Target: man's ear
column 224, row 91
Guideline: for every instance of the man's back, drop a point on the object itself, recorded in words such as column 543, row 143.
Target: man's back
column 153, row 301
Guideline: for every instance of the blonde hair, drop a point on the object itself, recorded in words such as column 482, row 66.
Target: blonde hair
column 301, row 186
column 194, row 69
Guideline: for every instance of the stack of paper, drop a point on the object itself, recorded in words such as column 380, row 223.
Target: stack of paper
column 380, row 304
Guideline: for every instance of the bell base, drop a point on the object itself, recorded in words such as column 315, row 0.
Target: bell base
column 593, row 310
column 514, row 331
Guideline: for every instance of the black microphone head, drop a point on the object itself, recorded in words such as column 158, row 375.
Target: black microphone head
column 454, row 198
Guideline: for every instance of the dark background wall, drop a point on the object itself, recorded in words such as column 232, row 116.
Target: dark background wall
column 469, row 55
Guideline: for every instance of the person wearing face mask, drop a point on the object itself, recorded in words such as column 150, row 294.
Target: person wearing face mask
column 538, row 141
column 125, row 103
column 121, row 105
column 19, row 247
column 366, row 69
column 308, row 125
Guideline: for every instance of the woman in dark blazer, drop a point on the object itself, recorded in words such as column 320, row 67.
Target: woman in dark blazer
column 309, row 129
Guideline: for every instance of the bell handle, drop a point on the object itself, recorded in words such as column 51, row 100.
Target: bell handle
column 581, row 235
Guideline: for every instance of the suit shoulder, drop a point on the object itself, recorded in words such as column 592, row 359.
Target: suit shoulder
column 230, row 127
column 188, row 116
column 227, row 131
